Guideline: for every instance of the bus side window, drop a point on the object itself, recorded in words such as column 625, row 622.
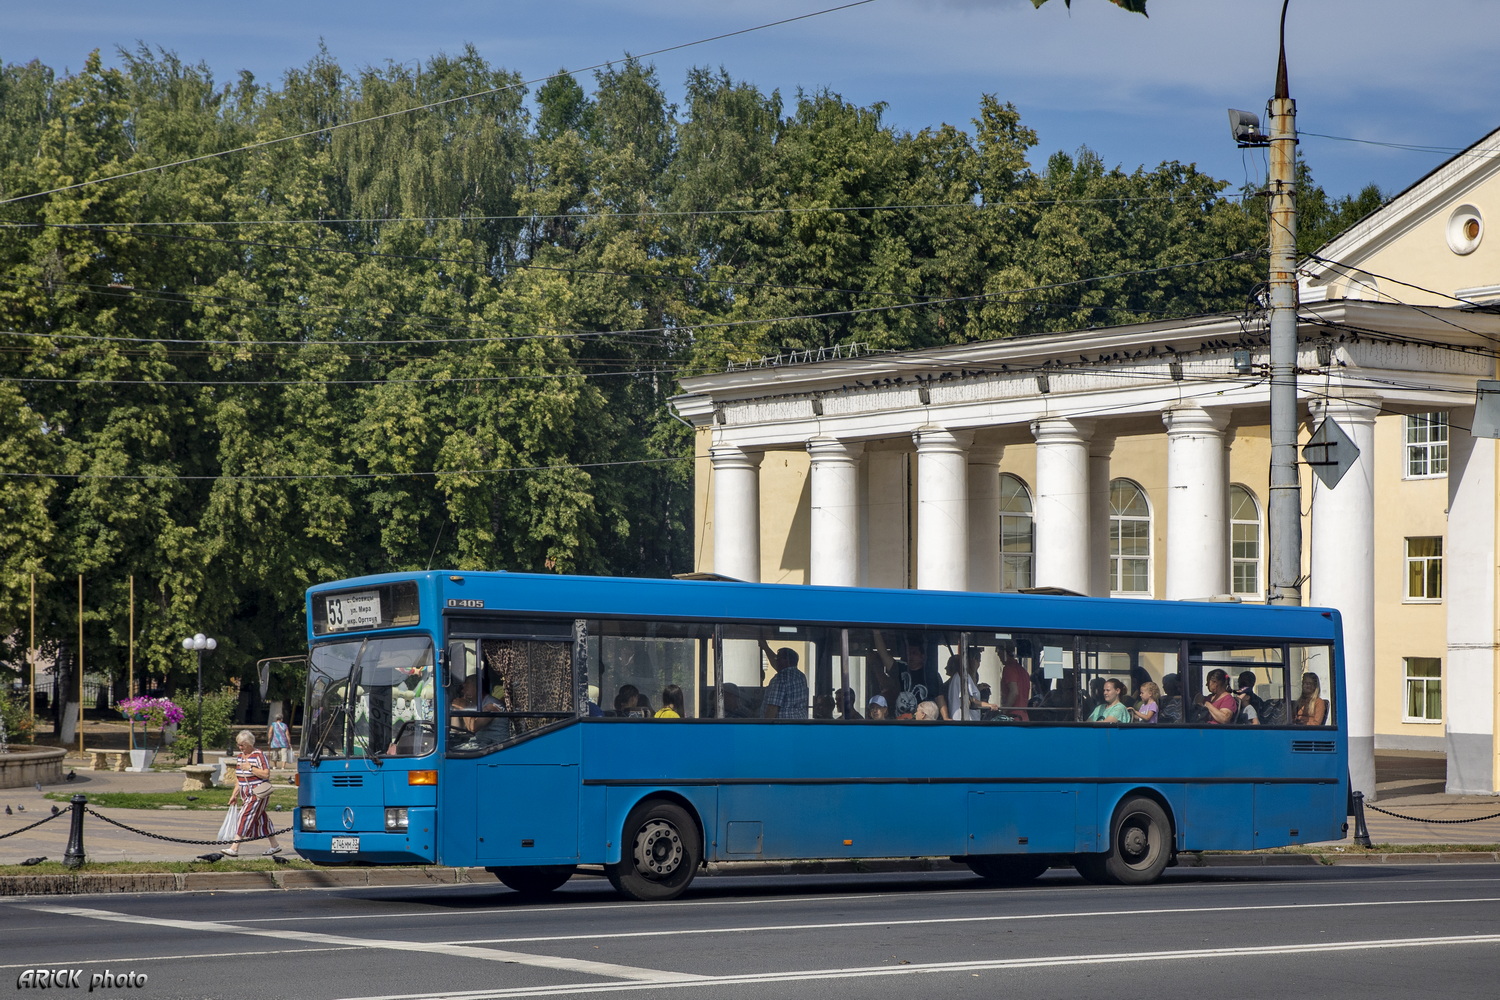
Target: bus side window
column 651, row 670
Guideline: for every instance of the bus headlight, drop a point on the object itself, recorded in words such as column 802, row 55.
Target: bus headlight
column 395, row 818
column 309, row 818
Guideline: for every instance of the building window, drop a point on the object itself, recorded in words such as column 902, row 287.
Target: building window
column 1424, row 569
column 1426, row 445
column 1129, row 539
column 1244, row 543
column 1424, row 688
column 1016, row 525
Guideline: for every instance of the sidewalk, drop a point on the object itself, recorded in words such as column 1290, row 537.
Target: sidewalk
column 1408, row 783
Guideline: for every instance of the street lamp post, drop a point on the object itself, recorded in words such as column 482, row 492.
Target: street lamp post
column 200, row 642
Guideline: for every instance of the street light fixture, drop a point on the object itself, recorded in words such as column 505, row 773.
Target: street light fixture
column 200, row 642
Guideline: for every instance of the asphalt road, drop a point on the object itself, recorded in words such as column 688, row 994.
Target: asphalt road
column 1268, row 932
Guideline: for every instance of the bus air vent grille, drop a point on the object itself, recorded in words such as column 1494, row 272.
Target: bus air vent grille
column 1312, row 746
column 358, row 780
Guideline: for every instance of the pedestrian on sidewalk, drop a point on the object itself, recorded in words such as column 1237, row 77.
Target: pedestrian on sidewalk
column 252, row 786
column 281, row 742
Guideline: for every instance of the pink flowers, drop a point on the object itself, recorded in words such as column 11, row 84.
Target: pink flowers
column 158, row 712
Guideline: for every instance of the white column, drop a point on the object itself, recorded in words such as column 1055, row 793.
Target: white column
column 1062, row 502
column 984, row 517
column 1197, row 503
column 1100, row 449
column 1469, row 597
column 1343, row 573
column 736, row 489
column 942, row 508
column 834, row 485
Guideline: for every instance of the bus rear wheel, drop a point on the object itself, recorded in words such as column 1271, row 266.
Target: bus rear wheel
column 660, row 852
column 1140, row 845
column 1007, row 869
column 536, row 881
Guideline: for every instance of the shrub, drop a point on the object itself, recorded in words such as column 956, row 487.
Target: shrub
column 218, row 723
column 16, row 712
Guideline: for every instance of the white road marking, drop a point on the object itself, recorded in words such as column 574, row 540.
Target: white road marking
column 1092, row 958
column 987, row 918
column 427, row 948
column 847, row 897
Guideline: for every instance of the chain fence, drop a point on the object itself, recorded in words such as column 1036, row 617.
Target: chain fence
column 180, row 840
column 1418, row 819
column 33, row 826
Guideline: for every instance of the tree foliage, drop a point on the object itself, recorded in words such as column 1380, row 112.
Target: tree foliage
column 447, row 336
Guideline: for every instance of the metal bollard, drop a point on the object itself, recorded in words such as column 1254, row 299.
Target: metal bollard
column 1361, row 833
column 73, row 856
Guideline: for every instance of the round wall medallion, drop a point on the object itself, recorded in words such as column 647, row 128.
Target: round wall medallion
column 1465, row 229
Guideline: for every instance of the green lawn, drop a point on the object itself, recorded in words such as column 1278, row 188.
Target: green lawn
column 208, row 798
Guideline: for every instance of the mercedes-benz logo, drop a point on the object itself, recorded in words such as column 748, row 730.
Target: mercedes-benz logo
column 348, row 818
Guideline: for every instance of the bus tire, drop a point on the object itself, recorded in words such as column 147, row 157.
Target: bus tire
column 1140, row 845
column 1007, row 869
column 660, row 851
column 534, row 881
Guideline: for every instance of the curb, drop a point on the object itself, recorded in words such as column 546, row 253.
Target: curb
column 356, row 878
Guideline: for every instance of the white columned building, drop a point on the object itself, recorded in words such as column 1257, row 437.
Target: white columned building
column 833, row 475
column 1342, row 572
column 1063, row 503
column 736, row 524
column 942, row 508
column 1197, row 503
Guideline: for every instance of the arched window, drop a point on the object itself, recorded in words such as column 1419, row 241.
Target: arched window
column 1129, row 539
column 1244, row 543
column 1016, row 547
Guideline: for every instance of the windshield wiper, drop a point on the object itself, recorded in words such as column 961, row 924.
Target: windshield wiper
column 322, row 737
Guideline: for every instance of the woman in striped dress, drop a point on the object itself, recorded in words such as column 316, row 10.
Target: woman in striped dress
column 252, row 772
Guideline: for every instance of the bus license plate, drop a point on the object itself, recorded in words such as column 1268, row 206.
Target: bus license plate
column 345, row 845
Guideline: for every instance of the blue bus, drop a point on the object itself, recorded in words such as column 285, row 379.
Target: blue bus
column 530, row 724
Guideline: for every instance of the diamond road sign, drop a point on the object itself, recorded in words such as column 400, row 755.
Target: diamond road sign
column 1330, row 453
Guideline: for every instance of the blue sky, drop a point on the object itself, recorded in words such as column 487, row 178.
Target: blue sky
column 1137, row 91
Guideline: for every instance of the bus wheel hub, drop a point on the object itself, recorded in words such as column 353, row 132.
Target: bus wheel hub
column 658, row 848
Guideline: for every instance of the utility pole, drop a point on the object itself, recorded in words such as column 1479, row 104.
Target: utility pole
column 1285, row 520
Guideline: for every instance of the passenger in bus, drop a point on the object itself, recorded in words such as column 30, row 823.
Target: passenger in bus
column 1312, row 710
column 734, row 705
column 822, row 706
column 1171, row 699
column 786, row 695
column 1061, row 702
column 912, row 680
column 844, row 697
column 1015, row 684
column 1251, row 706
column 876, row 709
column 1148, row 703
column 482, row 731
column 927, row 711
column 671, row 703
column 1110, row 709
column 1220, row 703
column 625, row 700
column 964, row 701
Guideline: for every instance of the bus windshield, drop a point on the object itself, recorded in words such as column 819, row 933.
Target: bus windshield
column 371, row 698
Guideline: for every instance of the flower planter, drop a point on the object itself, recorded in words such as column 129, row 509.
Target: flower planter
column 140, row 760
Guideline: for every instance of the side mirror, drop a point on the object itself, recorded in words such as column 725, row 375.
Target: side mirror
column 458, row 661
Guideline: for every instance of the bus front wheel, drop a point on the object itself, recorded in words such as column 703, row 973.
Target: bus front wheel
column 1007, row 869
column 537, row 881
column 1140, row 845
column 660, row 851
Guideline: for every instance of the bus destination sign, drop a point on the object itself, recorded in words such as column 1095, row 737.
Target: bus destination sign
column 347, row 611
column 457, row 603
